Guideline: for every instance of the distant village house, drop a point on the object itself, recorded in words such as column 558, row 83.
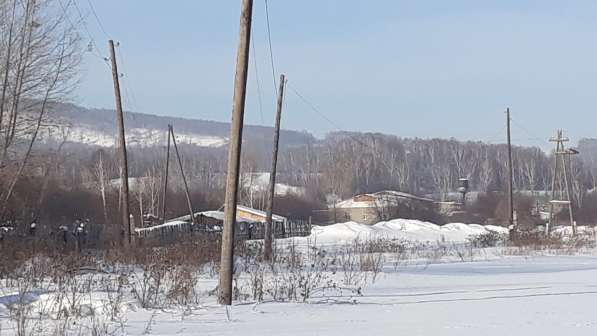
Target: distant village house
column 383, row 206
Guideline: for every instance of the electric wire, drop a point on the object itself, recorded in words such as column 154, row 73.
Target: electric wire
column 313, row 108
column 92, row 48
column 532, row 137
column 128, row 85
column 258, row 83
column 99, row 22
column 271, row 53
column 349, row 135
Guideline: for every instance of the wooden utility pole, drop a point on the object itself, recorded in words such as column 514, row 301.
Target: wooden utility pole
column 165, row 194
column 510, row 175
column 184, row 179
column 127, row 228
column 234, row 151
column 269, row 234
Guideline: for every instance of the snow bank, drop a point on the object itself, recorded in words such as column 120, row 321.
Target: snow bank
column 399, row 229
column 566, row 231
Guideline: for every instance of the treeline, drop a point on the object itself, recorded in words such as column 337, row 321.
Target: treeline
column 77, row 181
column 351, row 163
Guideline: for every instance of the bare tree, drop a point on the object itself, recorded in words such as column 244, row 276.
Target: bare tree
column 51, row 164
column 101, row 175
column 41, row 58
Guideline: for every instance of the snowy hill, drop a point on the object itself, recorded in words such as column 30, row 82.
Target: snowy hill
column 259, row 182
column 97, row 127
column 144, row 137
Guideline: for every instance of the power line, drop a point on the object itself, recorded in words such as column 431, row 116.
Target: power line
column 495, row 138
column 352, row 136
column 348, row 134
column 83, row 22
column 128, row 88
column 313, row 108
column 92, row 44
column 271, row 53
column 129, row 94
column 490, row 140
column 258, row 81
column 532, row 137
column 99, row 22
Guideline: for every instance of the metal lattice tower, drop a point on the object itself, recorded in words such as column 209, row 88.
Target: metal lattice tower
column 560, row 186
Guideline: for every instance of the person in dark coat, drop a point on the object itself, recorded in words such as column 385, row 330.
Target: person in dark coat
column 32, row 228
column 64, row 230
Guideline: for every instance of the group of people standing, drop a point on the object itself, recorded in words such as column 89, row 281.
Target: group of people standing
column 65, row 235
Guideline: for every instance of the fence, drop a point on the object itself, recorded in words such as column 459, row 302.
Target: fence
column 293, row 228
column 170, row 233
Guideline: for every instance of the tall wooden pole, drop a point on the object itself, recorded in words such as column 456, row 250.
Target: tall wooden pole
column 184, row 179
column 269, row 236
column 510, row 175
column 234, row 151
column 124, row 171
column 165, row 193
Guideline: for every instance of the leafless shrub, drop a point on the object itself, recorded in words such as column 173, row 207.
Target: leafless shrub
column 114, row 290
column 488, row 239
column 257, row 275
column 181, row 287
column 524, row 243
column 465, row 252
column 372, row 262
column 349, row 264
column 147, row 283
column 292, row 276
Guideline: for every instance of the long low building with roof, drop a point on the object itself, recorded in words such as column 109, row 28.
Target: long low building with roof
column 383, row 205
column 249, row 224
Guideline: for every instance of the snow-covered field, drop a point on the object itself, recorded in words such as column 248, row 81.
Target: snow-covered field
column 512, row 296
column 550, row 295
column 448, row 287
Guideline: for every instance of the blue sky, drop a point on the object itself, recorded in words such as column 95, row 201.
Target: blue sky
column 412, row 68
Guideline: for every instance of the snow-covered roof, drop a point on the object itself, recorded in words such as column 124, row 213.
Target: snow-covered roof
column 380, row 198
column 173, row 223
column 351, row 203
column 217, row 215
column 256, row 212
column 184, row 220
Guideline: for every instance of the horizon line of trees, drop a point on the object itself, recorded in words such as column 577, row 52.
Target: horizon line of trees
column 340, row 165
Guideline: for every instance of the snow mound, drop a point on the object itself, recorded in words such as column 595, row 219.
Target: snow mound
column 400, row 229
column 566, row 231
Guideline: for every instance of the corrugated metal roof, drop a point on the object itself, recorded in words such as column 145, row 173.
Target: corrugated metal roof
column 219, row 215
